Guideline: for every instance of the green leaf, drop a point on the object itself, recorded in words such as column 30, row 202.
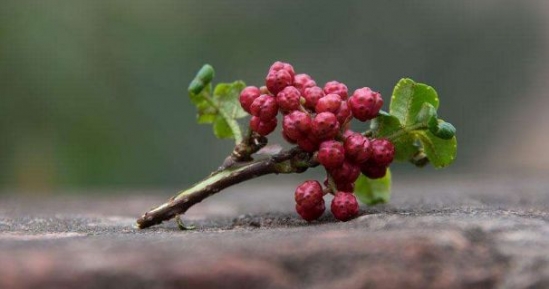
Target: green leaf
column 220, row 108
column 408, row 99
column 388, row 126
column 372, row 192
column 440, row 152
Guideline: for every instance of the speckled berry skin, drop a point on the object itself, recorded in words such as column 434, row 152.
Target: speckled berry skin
column 357, row 148
column 383, row 152
column 279, row 65
column 346, row 173
column 311, row 96
column 288, row 99
column 247, row 96
column 325, row 126
column 330, row 103
column 331, row 154
column 365, row 104
column 309, row 200
column 344, row 114
column 278, row 80
column 262, row 127
column 296, row 125
column 344, row 206
column 337, row 88
column 373, row 171
column 264, row 107
column 303, row 81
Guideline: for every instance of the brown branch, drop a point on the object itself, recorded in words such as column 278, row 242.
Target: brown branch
column 283, row 162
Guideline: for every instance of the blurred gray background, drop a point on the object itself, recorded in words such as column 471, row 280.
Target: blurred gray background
column 93, row 93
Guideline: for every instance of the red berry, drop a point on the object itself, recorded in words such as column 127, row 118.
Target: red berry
column 330, row 102
column 343, row 115
column 347, row 133
column 262, row 127
column 308, row 193
column 309, row 200
column 264, row 107
column 308, row 144
column 372, row 171
column 344, row 206
column 365, row 103
column 311, row 214
column 346, row 173
column 296, row 124
column 278, row 80
column 357, row 148
column 288, row 99
column 303, row 81
column 383, row 152
column 279, row 65
column 331, row 154
column 247, row 96
column 325, row 126
column 312, row 95
column 286, row 137
column 337, row 88
column 346, row 187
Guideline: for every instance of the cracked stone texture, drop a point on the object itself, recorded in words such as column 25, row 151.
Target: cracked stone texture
column 454, row 232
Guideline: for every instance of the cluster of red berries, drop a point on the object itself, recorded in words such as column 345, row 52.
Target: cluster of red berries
column 317, row 120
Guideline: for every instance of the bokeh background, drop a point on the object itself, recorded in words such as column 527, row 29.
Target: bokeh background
column 93, row 93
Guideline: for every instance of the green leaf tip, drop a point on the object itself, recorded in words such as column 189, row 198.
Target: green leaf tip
column 219, row 106
column 204, row 76
column 373, row 192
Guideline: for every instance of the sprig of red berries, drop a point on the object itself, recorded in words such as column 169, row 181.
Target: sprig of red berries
column 318, row 120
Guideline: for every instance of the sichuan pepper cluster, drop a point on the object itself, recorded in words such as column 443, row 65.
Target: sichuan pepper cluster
column 317, row 119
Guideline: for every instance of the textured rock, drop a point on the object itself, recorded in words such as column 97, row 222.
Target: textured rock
column 453, row 233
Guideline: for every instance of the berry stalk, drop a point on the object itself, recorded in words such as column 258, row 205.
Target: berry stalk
column 285, row 162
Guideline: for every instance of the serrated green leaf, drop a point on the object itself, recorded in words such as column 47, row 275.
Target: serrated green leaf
column 388, row 126
column 408, row 99
column 221, row 128
column 440, row 152
column 385, row 124
column 220, row 108
column 373, row 192
column 427, row 114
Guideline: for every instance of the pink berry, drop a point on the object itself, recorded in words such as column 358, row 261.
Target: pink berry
column 330, row 103
column 337, row 88
column 262, row 127
column 344, row 206
column 308, row 144
column 331, row 154
column 346, row 173
column 287, row 138
column 312, row 95
column 346, row 187
column 247, row 96
column 309, row 200
column 296, row 124
column 365, row 103
column 288, row 99
column 264, row 107
column 311, row 214
column 344, row 114
column 308, row 193
column 357, row 148
column 383, row 152
column 325, row 126
column 279, row 65
column 373, row 171
column 303, row 81
column 278, row 80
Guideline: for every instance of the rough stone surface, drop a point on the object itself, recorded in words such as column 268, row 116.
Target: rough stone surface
column 458, row 232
